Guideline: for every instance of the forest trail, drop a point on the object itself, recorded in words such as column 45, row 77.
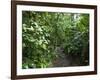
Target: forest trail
column 64, row 60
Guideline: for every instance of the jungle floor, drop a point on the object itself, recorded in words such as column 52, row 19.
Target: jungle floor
column 66, row 60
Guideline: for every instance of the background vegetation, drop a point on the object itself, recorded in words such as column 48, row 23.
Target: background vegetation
column 45, row 34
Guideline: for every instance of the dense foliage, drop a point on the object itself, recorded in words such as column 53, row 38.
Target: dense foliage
column 43, row 32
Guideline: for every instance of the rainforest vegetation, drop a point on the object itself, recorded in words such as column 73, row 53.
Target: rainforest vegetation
column 54, row 39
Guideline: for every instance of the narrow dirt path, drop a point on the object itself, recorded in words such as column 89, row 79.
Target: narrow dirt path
column 65, row 60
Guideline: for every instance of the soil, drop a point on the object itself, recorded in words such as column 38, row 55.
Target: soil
column 64, row 60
